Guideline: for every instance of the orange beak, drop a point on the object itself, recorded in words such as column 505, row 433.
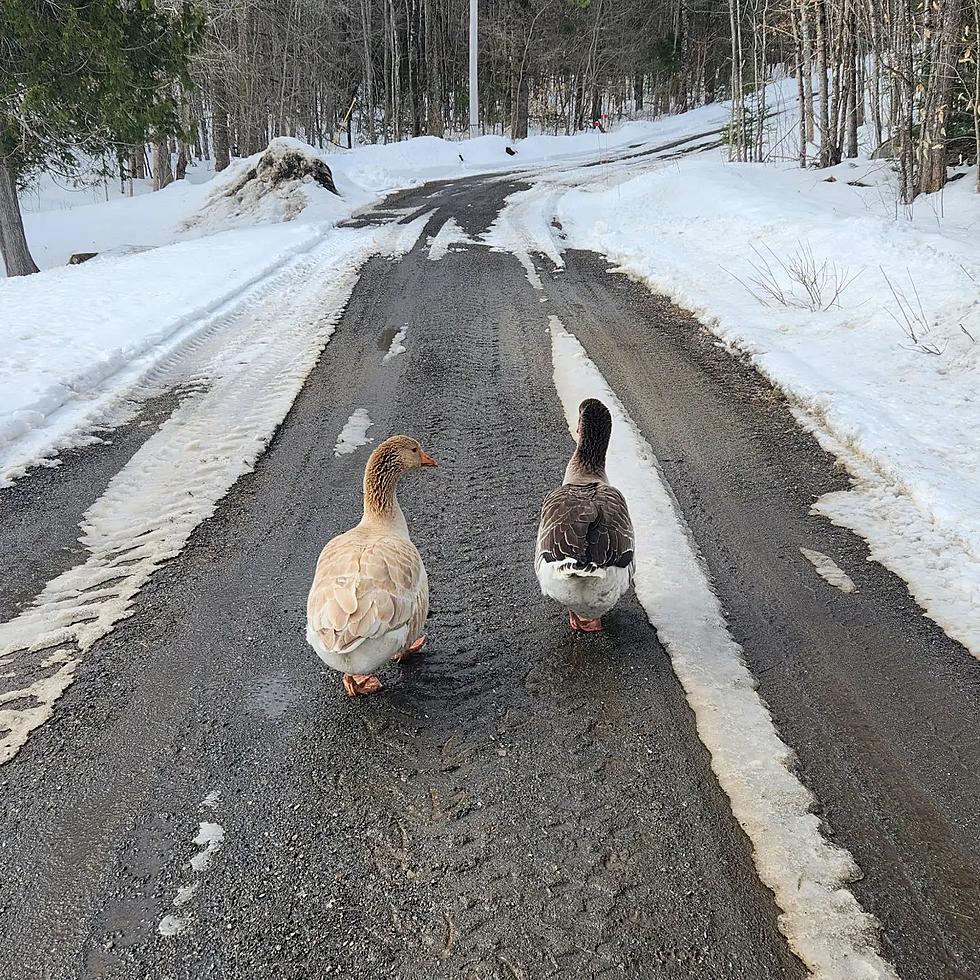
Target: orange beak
column 427, row 460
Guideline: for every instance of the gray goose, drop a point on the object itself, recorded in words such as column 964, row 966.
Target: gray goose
column 370, row 594
column 584, row 556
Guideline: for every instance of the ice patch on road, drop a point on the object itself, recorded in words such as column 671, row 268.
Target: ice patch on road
column 210, row 838
column 354, row 433
column 829, row 570
column 175, row 480
column 397, row 345
column 449, row 234
column 401, row 239
column 821, row 919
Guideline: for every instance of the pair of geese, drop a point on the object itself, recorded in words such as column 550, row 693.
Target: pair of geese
column 370, row 594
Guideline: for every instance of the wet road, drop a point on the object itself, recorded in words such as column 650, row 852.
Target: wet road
column 517, row 803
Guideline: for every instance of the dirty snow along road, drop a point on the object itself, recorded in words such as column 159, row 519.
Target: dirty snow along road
column 518, row 803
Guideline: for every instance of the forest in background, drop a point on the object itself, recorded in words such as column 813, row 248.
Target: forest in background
column 391, row 69
column 217, row 79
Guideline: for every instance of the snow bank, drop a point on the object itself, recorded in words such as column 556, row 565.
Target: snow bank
column 60, row 219
column 822, row 921
column 284, row 181
column 71, row 334
column 902, row 410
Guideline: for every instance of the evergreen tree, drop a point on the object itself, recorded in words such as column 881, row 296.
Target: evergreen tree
column 84, row 77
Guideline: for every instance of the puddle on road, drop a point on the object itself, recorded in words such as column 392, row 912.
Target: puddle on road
column 271, row 696
column 386, row 337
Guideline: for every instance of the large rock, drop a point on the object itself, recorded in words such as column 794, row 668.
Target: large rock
column 888, row 150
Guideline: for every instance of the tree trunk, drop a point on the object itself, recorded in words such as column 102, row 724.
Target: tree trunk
column 828, row 149
column 183, row 158
column 162, row 174
column 219, row 116
column 368, row 68
column 854, row 96
column 433, row 73
column 801, row 68
column 519, row 126
column 939, row 97
column 13, row 242
column 807, row 73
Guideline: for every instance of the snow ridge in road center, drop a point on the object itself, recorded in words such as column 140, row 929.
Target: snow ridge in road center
column 820, row 918
column 449, row 234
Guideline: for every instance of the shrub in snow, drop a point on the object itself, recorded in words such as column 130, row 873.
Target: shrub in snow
column 800, row 281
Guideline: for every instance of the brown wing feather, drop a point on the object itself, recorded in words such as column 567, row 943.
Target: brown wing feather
column 588, row 523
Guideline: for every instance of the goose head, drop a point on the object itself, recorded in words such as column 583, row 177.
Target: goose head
column 391, row 460
column 588, row 463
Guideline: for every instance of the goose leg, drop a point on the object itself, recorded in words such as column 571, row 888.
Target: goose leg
column 584, row 625
column 355, row 684
column 409, row 650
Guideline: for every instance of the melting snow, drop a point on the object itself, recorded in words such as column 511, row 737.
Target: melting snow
column 210, row 838
column 172, row 925
column 397, row 344
column 820, row 918
column 829, row 570
column 449, row 234
column 211, row 802
column 354, row 433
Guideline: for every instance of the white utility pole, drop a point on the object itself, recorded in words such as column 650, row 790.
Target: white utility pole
column 474, row 86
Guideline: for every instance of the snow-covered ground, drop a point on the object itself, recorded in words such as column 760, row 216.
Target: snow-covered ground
column 76, row 337
column 881, row 362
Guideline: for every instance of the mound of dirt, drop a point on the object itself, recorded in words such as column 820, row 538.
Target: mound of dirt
column 276, row 186
column 283, row 164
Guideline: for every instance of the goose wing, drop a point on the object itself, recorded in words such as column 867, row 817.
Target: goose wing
column 588, row 524
column 364, row 589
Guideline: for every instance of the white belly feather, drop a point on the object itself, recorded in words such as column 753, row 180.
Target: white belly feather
column 588, row 594
column 363, row 657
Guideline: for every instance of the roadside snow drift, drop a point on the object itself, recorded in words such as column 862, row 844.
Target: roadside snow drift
column 885, row 371
column 279, row 185
column 74, row 337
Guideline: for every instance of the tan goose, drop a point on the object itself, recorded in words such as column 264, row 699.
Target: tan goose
column 584, row 557
column 370, row 593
